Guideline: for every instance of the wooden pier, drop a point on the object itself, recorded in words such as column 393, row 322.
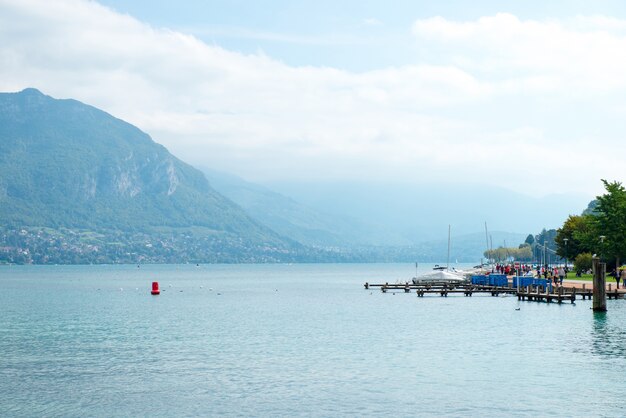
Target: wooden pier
column 441, row 288
column 558, row 294
column 562, row 293
column 539, row 295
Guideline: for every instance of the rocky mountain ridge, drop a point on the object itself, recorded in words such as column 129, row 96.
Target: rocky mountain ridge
column 64, row 164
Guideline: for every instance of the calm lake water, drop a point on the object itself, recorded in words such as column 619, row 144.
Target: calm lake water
column 294, row 340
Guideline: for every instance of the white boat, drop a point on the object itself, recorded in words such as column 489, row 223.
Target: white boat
column 449, row 276
column 443, row 273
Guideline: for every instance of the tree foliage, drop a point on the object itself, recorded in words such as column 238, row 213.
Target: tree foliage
column 582, row 262
column 601, row 229
column 530, row 240
column 577, row 235
column 610, row 221
column 503, row 254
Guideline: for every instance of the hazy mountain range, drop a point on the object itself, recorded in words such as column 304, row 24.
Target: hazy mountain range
column 419, row 212
column 101, row 187
column 348, row 215
column 306, row 224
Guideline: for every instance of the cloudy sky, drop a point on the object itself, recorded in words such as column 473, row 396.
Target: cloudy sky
column 529, row 96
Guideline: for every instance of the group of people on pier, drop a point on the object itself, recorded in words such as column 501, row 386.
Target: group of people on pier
column 510, row 269
column 556, row 274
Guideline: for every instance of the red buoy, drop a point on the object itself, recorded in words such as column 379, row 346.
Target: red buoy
column 155, row 288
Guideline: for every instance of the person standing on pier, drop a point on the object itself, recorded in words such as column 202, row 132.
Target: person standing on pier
column 615, row 275
column 622, row 274
column 561, row 275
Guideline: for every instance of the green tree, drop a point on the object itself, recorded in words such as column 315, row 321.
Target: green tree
column 582, row 262
column 577, row 235
column 504, row 254
column 523, row 253
column 530, row 240
column 611, row 221
column 546, row 237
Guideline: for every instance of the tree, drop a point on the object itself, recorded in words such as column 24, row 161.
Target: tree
column 530, row 240
column 582, row 263
column 610, row 221
column 577, row 235
column 503, row 254
column 591, row 207
column 545, row 238
column 524, row 253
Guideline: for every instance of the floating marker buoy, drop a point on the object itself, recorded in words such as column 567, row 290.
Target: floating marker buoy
column 155, row 288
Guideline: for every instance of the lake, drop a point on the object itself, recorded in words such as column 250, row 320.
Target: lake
column 294, row 340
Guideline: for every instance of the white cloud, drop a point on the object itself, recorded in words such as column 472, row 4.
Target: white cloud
column 484, row 97
column 588, row 53
column 371, row 21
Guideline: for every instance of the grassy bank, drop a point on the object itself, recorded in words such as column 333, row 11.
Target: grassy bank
column 588, row 277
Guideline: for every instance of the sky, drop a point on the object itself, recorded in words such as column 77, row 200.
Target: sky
column 526, row 96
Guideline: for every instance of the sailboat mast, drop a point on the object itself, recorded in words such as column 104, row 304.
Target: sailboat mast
column 448, row 263
column 487, row 239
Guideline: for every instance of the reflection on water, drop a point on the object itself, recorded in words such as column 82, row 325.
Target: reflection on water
column 608, row 336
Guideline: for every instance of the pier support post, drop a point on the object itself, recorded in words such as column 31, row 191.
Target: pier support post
column 599, row 283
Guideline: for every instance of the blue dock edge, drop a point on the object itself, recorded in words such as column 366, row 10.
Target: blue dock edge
column 525, row 281
column 501, row 280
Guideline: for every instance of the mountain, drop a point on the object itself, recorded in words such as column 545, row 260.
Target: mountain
column 421, row 211
column 290, row 218
column 78, row 185
column 64, row 164
column 314, row 227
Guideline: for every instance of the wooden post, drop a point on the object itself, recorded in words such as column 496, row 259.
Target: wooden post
column 599, row 283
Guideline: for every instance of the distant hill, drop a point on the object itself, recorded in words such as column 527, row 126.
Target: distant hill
column 421, row 211
column 313, row 227
column 64, row 164
column 297, row 221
